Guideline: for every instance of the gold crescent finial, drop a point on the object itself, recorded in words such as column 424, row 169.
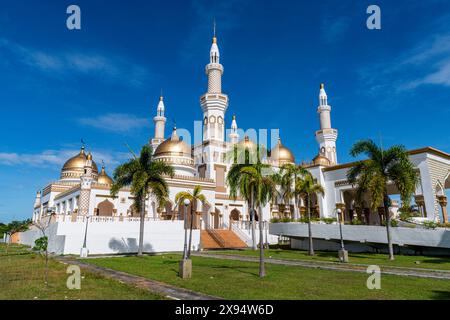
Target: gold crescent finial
column 322, row 86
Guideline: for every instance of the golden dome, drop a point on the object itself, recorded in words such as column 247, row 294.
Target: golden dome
column 103, row 177
column 173, row 147
column 247, row 144
column 74, row 167
column 281, row 154
column 321, row 160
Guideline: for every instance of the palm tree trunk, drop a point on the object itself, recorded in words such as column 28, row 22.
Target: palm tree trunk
column 252, row 218
column 296, row 208
column 388, row 226
column 193, row 209
column 262, row 268
column 311, row 249
column 141, row 228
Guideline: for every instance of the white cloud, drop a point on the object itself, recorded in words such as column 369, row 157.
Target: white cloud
column 56, row 158
column 117, row 122
column 108, row 69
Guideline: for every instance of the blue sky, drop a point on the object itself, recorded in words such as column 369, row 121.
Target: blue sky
column 102, row 83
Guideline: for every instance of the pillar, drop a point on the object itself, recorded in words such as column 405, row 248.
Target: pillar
column 443, row 203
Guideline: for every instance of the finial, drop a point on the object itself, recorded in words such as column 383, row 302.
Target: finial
column 234, row 117
column 214, row 31
column 103, row 165
column 322, row 86
column 161, row 97
column 89, row 156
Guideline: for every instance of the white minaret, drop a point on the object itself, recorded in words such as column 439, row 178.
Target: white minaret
column 234, row 136
column 160, row 123
column 326, row 136
column 214, row 103
column 86, row 182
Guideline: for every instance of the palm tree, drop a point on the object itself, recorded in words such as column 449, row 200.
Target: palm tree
column 264, row 186
column 308, row 186
column 244, row 156
column 373, row 175
column 193, row 197
column 288, row 180
column 256, row 183
column 145, row 176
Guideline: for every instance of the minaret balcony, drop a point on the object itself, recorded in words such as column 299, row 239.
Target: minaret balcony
column 213, row 66
column 214, row 96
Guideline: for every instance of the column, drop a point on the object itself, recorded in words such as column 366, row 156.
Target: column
column 443, row 203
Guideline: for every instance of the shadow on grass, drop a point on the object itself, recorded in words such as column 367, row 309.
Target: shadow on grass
column 441, row 295
column 437, row 260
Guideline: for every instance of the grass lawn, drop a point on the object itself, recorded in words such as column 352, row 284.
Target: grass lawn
column 22, row 277
column 239, row 280
column 442, row 263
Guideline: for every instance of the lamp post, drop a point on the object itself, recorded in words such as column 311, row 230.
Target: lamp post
column 84, row 251
column 186, row 204
column 185, row 263
column 343, row 254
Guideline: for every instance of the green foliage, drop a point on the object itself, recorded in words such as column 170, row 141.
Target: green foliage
column 274, row 220
column 41, row 244
column 356, row 222
column 430, row 224
column 144, row 175
column 328, row 220
column 382, row 166
column 16, row 226
column 444, row 225
column 394, row 223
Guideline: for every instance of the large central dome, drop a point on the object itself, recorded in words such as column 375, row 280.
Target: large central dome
column 281, row 155
column 74, row 167
column 177, row 153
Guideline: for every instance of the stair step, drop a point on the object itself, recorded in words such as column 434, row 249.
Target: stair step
column 221, row 239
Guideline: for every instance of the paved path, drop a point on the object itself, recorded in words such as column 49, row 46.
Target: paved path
column 153, row 286
column 399, row 271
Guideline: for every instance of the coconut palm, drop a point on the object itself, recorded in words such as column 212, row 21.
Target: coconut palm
column 288, row 179
column 244, row 155
column 193, row 197
column 264, row 187
column 307, row 186
column 373, row 175
column 145, row 176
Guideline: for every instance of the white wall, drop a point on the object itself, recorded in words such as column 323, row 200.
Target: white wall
column 113, row 237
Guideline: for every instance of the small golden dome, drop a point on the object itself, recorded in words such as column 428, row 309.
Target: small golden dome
column 247, row 144
column 103, row 177
column 173, row 147
column 74, row 167
column 321, row 160
column 281, row 154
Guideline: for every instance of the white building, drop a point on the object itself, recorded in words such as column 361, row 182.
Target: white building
column 83, row 191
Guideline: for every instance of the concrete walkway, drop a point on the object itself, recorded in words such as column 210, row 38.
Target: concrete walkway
column 349, row 267
column 153, row 286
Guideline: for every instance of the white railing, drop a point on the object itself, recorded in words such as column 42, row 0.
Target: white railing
column 82, row 218
column 241, row 234
column 247, row 225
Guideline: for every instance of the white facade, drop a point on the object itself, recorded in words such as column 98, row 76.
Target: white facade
column 83, row 191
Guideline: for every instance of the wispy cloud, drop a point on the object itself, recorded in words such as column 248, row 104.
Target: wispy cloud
column 334, row 28
column 426, row 63
column 61, row 63
column 52, row 158
column 117, row 122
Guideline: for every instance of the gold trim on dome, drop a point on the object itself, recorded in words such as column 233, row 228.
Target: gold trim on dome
column 281, row 154
column 74, row 167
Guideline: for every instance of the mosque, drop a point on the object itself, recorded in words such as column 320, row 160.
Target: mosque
column 84, row 191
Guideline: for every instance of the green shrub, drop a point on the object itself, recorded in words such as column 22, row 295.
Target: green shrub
column 444, row 225
column 356, row 222
column 430, row 224
column 286, row 220
column 328, row 220
column 394, row 223
column 274, row 220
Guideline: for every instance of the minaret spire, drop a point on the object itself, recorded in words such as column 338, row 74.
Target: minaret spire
column 326, row 136
column 234, row 136
column 214, row 103
column 160, row 122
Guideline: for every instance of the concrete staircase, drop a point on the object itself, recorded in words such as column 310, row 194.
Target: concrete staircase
column 220, row 239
